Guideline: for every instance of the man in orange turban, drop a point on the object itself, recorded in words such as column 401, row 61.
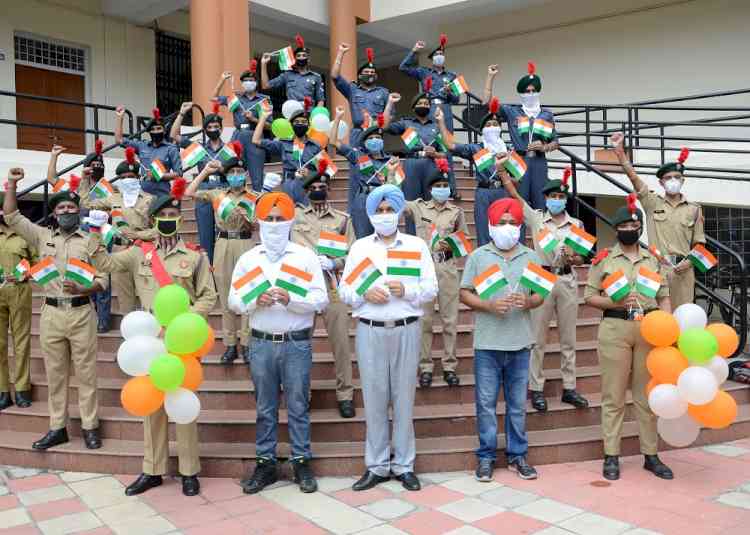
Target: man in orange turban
column 279, row 200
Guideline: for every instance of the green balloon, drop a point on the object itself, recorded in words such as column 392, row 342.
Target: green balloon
column 167, row 372
column 186, row 333
column 320, row 109
column 170, row 301
column 698, row 345
column 282, row 128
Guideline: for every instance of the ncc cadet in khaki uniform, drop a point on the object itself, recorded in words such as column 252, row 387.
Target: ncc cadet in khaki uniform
column 15, row 313
column 309, row 222
column 622, row 349
column 447, row 218
column 68, row 321
column 563, row 300
column 234, row 222
column 188, row 267
column 674, row 224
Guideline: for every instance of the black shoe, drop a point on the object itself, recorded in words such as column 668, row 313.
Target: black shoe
column 571, row 397
column 451, row 378
column 425, row 380
column 303, row 475
column 102, row 327
column 653, row 464
column 484, row 470
column 230, row 355
column 91, row 439
column 368, row 481
column 142, row 484
column 611, row 468
column 190, row 485
column 51, row 439
column 522, row 468
column 5, row 400
column 409, row 481
column 245, row 350
column 23, row 399
column 346, row 409
column 538, row 401
column 265, row 474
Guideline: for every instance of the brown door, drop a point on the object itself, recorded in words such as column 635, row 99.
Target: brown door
column 43, row 82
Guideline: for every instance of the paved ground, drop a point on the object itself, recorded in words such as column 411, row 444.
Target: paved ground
column 710, row 495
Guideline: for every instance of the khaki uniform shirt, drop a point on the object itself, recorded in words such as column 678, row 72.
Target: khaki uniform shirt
column 308, row 225
column 674, row 229
column 616, row 260
column 538, row 221
column 447, row 218
column 238, row 220
column 13, row 249
column 136, row 216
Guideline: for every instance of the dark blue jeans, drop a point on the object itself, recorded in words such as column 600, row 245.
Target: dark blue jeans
column 102, row 300
column 287, row 365
column 204, row 215
column 254, row 156
column 162, row 187
column 509, row 370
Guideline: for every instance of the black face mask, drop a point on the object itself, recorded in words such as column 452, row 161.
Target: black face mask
column 300, row 129
column 97, row 172
column 318, row 195
column 213, row 134
column 156, row 137
column 167, row 227
column 628, row 237
column 301, row 62
column 367, row 79
column 422, row 111
column 68, row 222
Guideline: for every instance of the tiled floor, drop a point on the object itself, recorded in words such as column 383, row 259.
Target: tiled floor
column 710, row 495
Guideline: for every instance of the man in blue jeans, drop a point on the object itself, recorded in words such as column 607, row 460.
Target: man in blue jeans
column 280, row 285
column 503, row 336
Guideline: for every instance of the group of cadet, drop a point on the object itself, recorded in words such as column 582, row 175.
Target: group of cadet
column 283, row 254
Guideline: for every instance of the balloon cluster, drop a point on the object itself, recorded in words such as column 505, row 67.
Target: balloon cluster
column 320, row 123
column 164, row 371
column 684, row 388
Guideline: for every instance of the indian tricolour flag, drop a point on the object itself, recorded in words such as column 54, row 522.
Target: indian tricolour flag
column 223, row 206
column 460, row 244
column 44, row 271
column 332, row 244
column 61, row 185
column 79, row 271
column 459, row 86
column 410, row 138
column 489, row 282
column 102, row 189
column 247, row 203
column 399, row 175
column 543, row 128
column 251, row 285
column 547, row 241
column 294, row 280
column 297, row 149
column 440, row 142
column 483, row 160
column 537, row 279
column 366, row 120
column 262, row 107
column 363, row 276
column 286, row 58
column 365, row 165
column 193, row 154
column 579, row 240
column 234, row 103
column 433, row 236
column 22, row 269
column 702, row 258
column 616, row 286
column 404, row 263
column 108, row 233
column 515, row 165
column 647, row 282
column 158, row 169
column 226, row 153
column 118, row 219
column 523, row 124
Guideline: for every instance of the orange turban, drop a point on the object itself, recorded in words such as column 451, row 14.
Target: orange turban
column 500, row 206
column 269, row 200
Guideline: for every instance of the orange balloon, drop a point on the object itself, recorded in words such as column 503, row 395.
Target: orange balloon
column 665, row 364
column 193, row 373
column 717, row 414
column 727, row 338
column 660, row 329
column 140, row 397
column 321, row 138
column 207, row 346
column 653, row 383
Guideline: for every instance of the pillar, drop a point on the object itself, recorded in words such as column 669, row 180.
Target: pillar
column 219, row 41
column 343, row 29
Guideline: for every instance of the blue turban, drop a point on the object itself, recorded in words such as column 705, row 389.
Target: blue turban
column 386, row 192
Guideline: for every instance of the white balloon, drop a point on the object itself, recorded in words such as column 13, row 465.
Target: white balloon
column 678, row 432
column 135, row 354
column 690, row 316
column 719, row 367
column 321, row 123
column 139, row 323
column 291, row 106
column 182, row 406
column 697, row 385
column 665, row 401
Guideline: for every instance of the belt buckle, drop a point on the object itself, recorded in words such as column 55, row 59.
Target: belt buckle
column 233, row 234
column 277, row 338
column 390, row 324
column 65, row 302
column 531, row 154
column 437, row 100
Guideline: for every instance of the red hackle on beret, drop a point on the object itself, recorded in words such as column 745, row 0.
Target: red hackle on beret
column 684, row 153
column 179, row 185
column 98, row 147
column 236, row 147
column 566, row 177
column 428, row 84
column 308, row 104
column 494, row 105
column 500, row 206
column 631, row 203
column 381, row 120
column 253, row 66
column 156, row 114
column 215, row 107
column 130, row 155
column 74, row 182
column 531, row 68
column 299, row 41
column 370, row 55
column 323, row 165
column 443, row 40
column 442, row 165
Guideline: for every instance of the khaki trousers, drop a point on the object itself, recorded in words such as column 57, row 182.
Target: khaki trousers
column 123, row 286
column 622, row 357
column 681, row 287
column 69, row 334
column 562, row 302
column 336, row 319
column 156, row 446
column 447, row 298
column 15, row 313
column 226, row 254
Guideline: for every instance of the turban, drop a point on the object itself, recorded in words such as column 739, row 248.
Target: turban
column 267, row 202
column 386, row 192
column 500, row 206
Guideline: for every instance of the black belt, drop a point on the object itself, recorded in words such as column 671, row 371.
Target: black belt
column 561, row 270
column 489, row 185
column 297, row 336
column 67, row 301
column 238, row 235
column 537, row 153
column 620, row 314
column 389, row 324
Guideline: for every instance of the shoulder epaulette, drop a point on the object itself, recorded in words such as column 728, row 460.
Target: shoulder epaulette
column 193, row 247
column 601, row 255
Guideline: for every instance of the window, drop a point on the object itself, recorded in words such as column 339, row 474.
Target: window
column 56, row 56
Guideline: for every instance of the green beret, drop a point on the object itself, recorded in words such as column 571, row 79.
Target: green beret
column 163, row 201
column 670, row 167
column 213, row 118
column 63, row 196
column 532, row 79
column 314, row 177
column 375, row 129
column 623, row 215
column 555, row 185
column 423, row 94
column 232, row 163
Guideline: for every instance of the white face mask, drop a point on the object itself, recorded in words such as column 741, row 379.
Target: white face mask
column 249, row 86
column 505, row 237
column 384, row 224
column 673, row 186
column 275, row 237
column 438, row 60
column 492, row 141
column 130, row 188
column 530, row 102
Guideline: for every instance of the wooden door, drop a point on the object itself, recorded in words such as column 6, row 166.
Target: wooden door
column 43, row 82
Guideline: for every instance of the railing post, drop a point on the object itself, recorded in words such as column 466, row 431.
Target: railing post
column 604, row 120
column 630, row 127
column 588, row 134
column 638, row 134
column 661, row 143
column 96, row 122
column 45, row 203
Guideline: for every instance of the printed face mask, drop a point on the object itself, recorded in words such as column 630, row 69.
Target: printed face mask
column 168, row 226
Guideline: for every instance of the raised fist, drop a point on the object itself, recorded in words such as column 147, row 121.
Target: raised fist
column 419, row 45
column 492, row 70
column 265, row 58
column 344, row 48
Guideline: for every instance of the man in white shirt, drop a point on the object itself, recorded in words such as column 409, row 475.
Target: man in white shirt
column 280, row 285
column 387, row 278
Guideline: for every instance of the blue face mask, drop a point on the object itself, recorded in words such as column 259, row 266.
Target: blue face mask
column 555, row 206
column 373, row 144
column 441, row 194
column 236, row 181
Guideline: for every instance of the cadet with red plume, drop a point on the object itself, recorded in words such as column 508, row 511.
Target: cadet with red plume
column 299, row 82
